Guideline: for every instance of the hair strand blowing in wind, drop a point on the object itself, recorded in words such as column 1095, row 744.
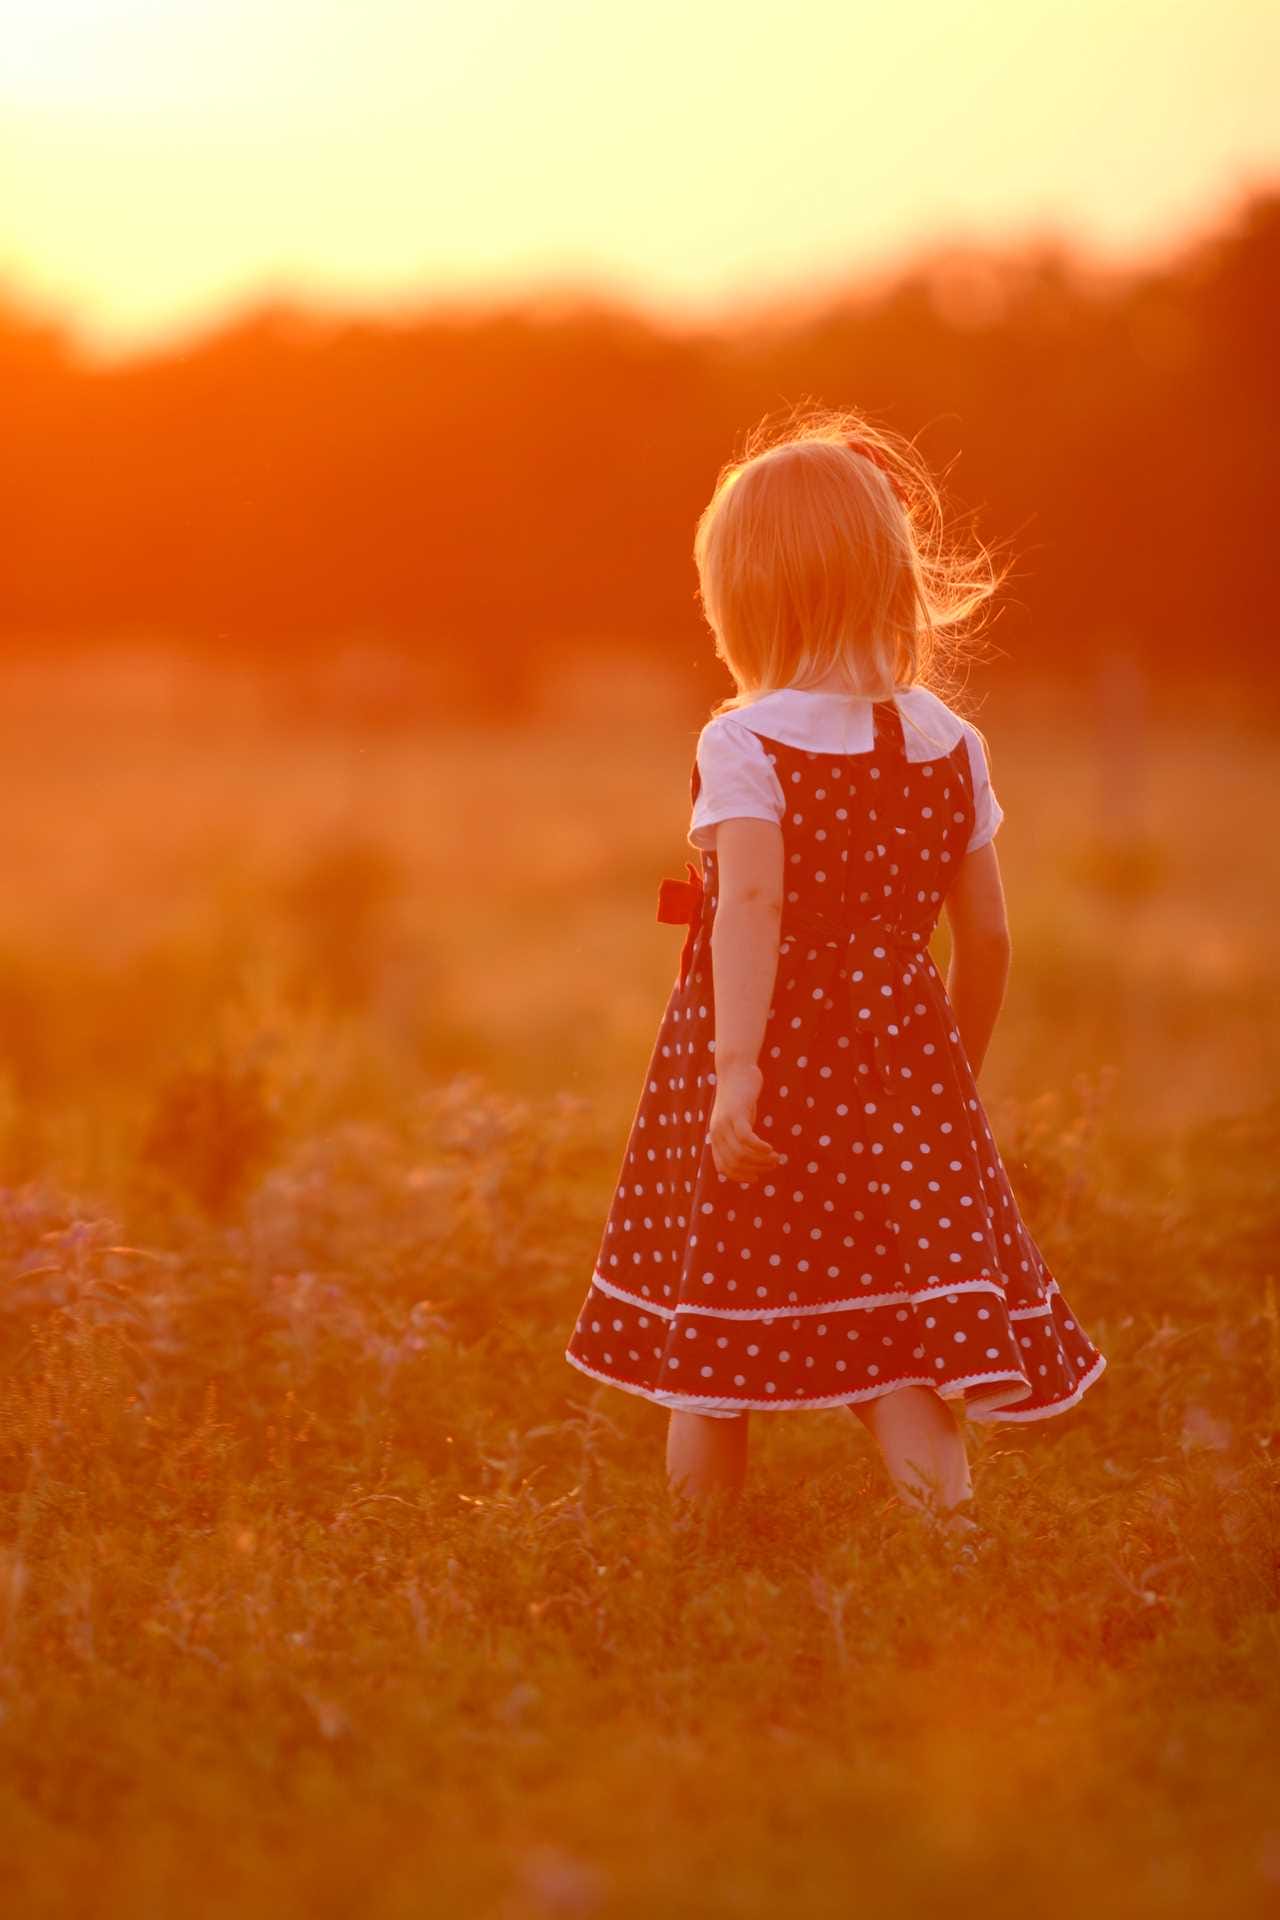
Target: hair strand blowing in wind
column 825, row 547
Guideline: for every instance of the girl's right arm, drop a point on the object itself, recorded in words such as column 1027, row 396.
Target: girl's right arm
column 980, row 950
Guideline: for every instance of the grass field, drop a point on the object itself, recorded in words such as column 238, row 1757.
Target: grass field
column 328, row 1588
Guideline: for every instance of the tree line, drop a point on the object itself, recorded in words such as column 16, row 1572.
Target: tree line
column 484, row 483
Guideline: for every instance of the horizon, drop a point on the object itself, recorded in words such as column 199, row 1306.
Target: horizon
column 96, row 348
column 182, row 169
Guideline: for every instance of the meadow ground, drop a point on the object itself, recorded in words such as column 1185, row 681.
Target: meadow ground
column 328, row 1588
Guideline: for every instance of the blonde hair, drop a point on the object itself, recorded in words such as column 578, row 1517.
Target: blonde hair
column 813, row 557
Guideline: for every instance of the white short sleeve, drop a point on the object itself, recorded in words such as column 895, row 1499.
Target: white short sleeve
column 736, row 780
column 987, row 811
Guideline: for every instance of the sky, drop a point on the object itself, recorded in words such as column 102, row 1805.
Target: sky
column 164, row 161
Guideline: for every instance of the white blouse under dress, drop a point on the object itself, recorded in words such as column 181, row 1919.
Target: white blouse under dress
column 738, row 780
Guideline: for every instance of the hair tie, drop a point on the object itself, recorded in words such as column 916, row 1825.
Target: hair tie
column 877, row 459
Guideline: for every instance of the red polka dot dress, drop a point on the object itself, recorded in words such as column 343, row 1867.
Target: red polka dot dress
column 887, row 1248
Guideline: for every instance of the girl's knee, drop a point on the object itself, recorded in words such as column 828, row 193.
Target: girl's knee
column 907, row 1405
column 892, row 1397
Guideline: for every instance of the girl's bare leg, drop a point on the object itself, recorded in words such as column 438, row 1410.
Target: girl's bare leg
column 706, row 1455
column 923, row 1448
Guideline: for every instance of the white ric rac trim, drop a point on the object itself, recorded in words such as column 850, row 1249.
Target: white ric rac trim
column 1085, row 1381
column 855, row 1301
column 986, row 1409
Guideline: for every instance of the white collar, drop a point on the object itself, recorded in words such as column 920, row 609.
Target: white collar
column 829, row 722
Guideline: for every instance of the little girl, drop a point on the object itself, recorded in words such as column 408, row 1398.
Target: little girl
column 811, row 1209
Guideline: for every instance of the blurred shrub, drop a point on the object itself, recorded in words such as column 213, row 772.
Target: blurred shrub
column 212, row 1128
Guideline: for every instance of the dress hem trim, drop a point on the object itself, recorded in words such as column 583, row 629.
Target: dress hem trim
column 900, row 1298
column 946, row 1390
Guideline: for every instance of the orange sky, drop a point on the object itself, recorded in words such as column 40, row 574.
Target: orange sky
column 163, row 159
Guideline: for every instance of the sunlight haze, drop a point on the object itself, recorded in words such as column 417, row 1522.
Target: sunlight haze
column 162, row 163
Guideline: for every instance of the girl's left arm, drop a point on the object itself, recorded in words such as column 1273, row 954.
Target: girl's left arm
column 980, row 950
column 744, row 960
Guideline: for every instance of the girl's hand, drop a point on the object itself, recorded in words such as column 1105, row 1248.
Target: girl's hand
column 737, row 1149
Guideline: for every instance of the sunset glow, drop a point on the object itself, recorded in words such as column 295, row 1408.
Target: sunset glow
column 163, row 162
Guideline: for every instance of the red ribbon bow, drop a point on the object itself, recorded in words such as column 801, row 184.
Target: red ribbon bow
column 680, row 901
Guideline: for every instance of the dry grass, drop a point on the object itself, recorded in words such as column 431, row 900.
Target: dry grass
column 327, row 1588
